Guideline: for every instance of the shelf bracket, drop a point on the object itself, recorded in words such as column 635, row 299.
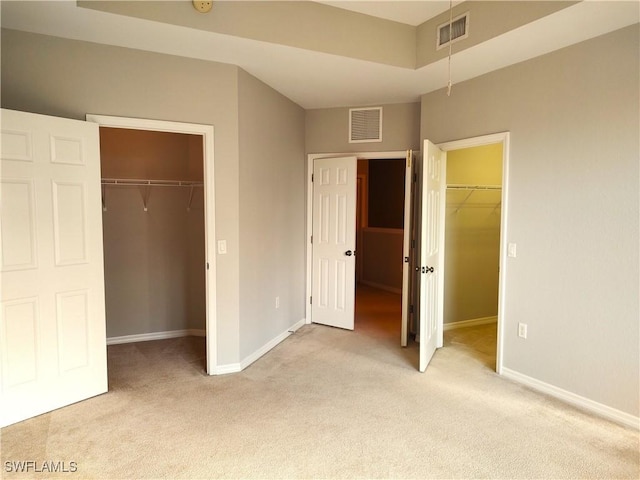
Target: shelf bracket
column 190, row 198
column 145, row 197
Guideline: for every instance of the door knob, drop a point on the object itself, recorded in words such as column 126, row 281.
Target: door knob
column 348, row 253
column 427, row 269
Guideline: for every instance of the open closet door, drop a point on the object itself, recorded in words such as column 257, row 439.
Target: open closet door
column 334, row 241
column 431, row 251
column 407, row 270
column 52, row 326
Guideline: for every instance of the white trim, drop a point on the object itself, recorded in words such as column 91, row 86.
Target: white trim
column 503, row 138
column 207, row 133
column 309, row 230
column 592, row 406
column 380, row 286
column 474, row 322
column 226, row 369
column 267, row 347
column 145, row 337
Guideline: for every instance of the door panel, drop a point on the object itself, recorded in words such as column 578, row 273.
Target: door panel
column 52, row 330
column 432, row 240
column 334, row 237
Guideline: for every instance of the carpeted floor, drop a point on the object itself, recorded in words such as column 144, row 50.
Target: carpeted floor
column 326, row 403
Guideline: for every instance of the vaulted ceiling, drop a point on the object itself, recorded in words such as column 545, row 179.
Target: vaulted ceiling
column 332, row 53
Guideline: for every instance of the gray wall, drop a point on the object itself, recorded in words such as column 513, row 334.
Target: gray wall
column 272, row 235
column 69, row 78
column 573, row 209
column 327, row 130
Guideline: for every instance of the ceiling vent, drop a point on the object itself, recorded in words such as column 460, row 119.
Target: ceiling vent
column 365, row 125
column 459, row 27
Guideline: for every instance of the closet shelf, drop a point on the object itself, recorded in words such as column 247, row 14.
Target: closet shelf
column 128, row 182
column 473, row 187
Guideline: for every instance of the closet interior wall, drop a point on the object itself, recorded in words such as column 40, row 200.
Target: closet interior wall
column 154, row 259
column 472, row 233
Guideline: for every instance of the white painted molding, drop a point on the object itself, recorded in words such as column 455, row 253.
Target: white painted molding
column 270, row 345
column 474, row 322
column 226, row 369
column 592, row 406
column 386, row 288
column 145, row 337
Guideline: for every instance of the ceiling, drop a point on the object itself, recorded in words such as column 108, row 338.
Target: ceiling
column 410, row 12
column 319, row 80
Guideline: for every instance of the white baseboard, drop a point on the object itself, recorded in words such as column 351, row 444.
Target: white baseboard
column 238, row 367
column 573, row 399
column 226, row 369
column 270, row 345
column 145, row 337
column 380, row 286
column 474, row 322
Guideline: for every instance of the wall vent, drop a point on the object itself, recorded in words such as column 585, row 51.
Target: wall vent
column 365, row 125
column 459, row 27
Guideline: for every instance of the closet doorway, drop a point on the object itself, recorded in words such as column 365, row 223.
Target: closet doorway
column 158, row 223
column 475, row 244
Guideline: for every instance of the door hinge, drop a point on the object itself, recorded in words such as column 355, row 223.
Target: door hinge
column 406, row 259
column 310, row 300
column 413, row 244
column 311, row 238
column 207, row 265
column 415, row 178
column 410, row 308
column 312, row 178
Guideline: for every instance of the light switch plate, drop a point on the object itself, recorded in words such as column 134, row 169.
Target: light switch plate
column 511, row 250
column 222, row 247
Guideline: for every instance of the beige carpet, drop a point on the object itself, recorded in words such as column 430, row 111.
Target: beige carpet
column 325, row 403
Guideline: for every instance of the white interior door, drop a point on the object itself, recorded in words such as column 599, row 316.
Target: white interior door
column 334, row 241
column 406, row 248
column 431, row 258
column 52, row 324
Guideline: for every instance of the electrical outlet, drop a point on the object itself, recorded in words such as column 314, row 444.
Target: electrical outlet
column 522, row 330
column 277, row 302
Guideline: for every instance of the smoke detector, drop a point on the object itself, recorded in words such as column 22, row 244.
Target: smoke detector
column 202, row 7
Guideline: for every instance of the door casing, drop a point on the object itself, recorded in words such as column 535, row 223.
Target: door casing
column 503, row 138
column 209, row 210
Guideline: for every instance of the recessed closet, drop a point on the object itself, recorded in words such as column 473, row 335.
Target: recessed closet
column 472, row 235
column 153, row 229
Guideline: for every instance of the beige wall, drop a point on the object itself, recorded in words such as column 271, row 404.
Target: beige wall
column 573, row 209
column 272, row 227
column 316, row 27
column 67, row 78
column 472, row 234
column 327, row 130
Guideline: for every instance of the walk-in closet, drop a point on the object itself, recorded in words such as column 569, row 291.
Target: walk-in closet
column 154, row 240
column 472, row 237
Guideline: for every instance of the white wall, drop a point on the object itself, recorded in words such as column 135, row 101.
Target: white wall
column 573, row 209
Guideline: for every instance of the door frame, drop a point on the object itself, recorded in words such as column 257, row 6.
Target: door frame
column 209, row 209
column 309, row 228
column 503, row 138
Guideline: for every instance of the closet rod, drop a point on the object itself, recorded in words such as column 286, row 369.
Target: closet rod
column 147, row 184
column 150, row 183
column 473, row 187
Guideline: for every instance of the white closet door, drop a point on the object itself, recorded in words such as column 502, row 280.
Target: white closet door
column 52, row 323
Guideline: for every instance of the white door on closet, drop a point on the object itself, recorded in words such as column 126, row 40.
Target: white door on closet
column 52, row 323
column 431, row 303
